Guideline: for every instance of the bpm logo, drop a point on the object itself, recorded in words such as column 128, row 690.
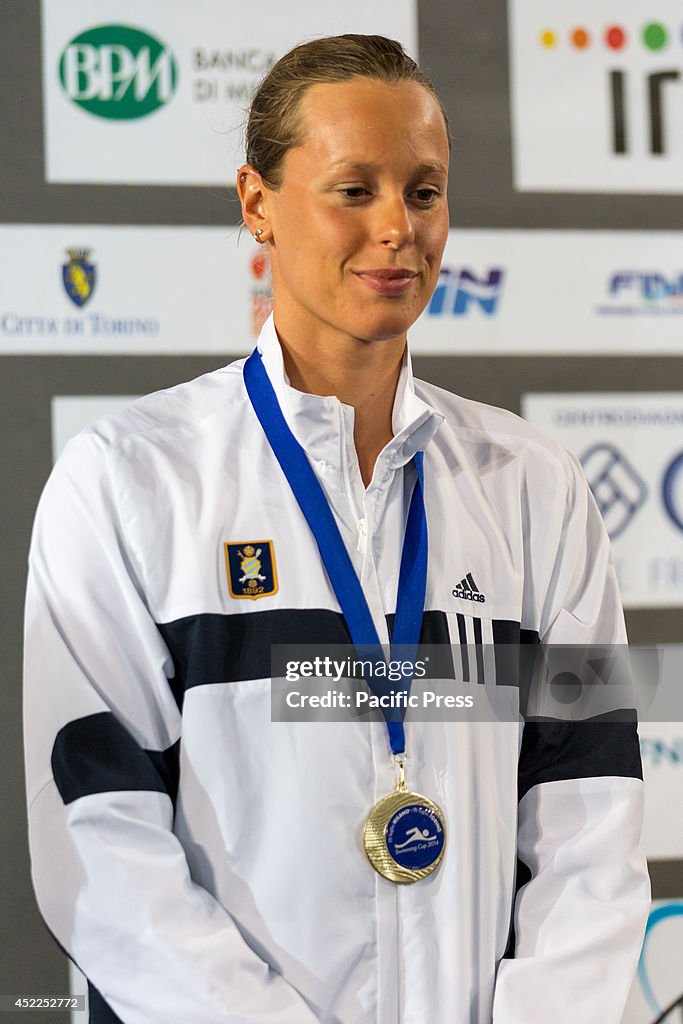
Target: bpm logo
column 618, row 490
column 116, row 71
column 597, row 93
column 459, row 289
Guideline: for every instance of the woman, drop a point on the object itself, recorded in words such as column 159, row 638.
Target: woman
column 204, row 864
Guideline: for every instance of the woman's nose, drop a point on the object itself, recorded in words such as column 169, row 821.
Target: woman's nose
column 394, row 223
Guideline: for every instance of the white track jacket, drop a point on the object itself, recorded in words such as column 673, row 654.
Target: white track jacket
column 203, row 864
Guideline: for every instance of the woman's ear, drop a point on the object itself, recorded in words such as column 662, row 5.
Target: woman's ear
column 253, row 197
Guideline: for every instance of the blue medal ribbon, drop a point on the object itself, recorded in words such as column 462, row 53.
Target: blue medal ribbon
column 309, row 494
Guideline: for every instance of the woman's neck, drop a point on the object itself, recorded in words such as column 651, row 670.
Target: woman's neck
column 361, row 374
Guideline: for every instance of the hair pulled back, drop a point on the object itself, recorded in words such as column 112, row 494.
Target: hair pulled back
column 274, row 124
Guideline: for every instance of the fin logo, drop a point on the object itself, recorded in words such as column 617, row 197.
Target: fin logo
column 649, row 286
column 459, row 289
column 118, row 72
column 652, row 285
column 643, row 293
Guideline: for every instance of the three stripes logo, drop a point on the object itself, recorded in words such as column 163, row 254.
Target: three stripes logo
column 468, row 590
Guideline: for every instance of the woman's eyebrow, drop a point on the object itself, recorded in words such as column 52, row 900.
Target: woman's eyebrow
column 355, row 165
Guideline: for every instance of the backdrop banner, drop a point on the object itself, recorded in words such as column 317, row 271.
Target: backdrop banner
column 145, row 290
column 631, row 449
column 661, row 746
column 141, row 92
column 127, row 290
column 596, row 94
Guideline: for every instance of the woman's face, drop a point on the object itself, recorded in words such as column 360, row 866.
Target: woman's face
column 360, row 221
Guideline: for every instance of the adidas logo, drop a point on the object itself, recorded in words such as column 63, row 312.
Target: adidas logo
column 468, row 590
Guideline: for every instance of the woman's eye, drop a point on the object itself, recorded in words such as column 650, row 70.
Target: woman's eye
column 427, row 195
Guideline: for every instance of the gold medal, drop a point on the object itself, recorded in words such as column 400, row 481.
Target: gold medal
column 404, row 834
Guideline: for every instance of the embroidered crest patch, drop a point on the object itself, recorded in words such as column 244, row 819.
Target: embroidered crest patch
column 251, row 569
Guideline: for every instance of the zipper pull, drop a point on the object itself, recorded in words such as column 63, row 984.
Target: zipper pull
column 362, row 527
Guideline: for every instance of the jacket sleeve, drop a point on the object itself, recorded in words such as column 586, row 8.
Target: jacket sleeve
column 101, row 737
column 583, row 889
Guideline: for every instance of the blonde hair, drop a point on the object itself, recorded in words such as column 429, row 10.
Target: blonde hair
column 274, row 125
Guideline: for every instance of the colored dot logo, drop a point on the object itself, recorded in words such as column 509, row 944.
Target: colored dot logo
column 654, row 36
column 580, row 38
column 615, row 37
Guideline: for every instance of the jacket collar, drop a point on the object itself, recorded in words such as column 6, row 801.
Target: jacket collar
column 324, row 425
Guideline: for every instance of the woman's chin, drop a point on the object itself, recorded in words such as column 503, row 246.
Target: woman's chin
column 384, row 325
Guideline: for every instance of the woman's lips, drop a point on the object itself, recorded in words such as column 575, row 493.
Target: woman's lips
column 387, row 282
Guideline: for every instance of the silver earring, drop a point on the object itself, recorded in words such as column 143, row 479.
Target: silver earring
column 257, row 234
